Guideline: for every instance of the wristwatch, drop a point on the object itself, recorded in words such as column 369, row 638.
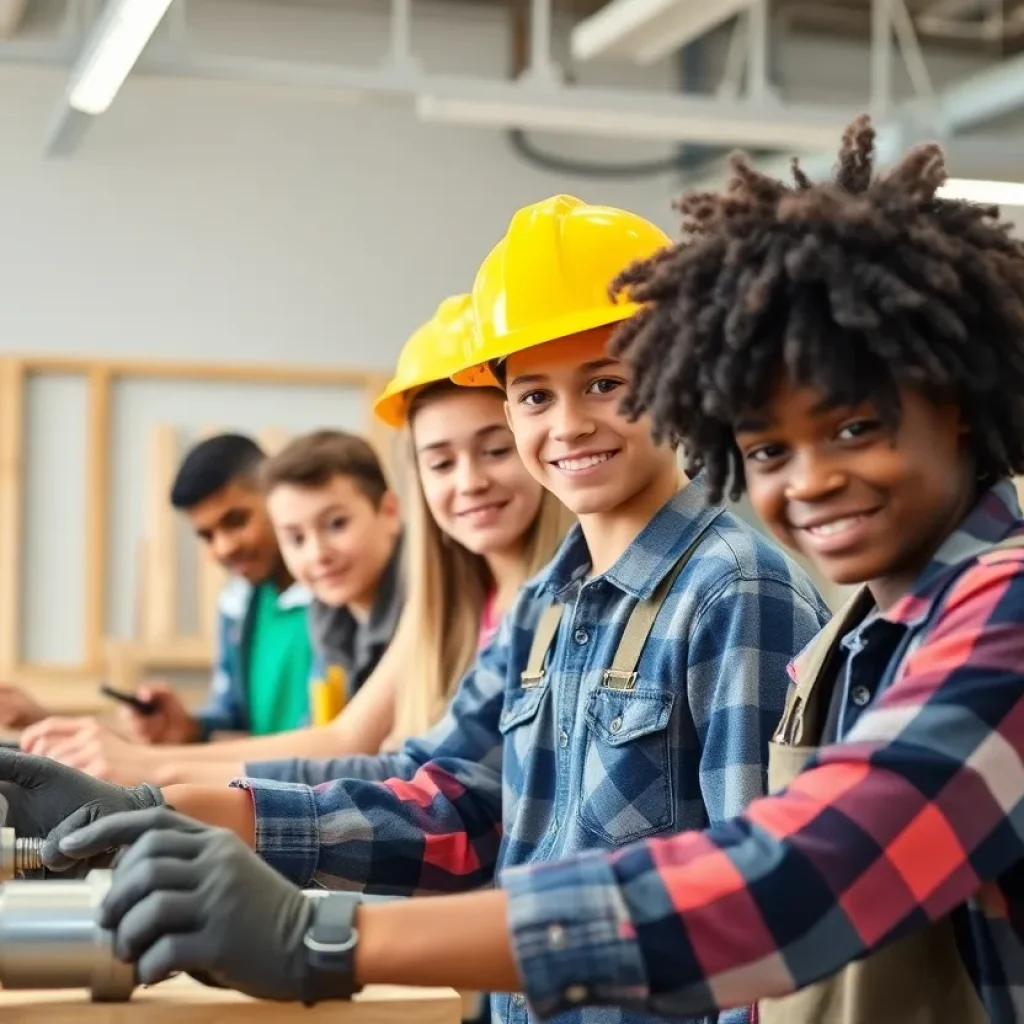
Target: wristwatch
column 330, row 943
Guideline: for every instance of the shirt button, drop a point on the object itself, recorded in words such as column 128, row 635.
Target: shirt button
column 563, row 739
column 519, row 999
column 615, row 724
column 581, row 636
column 556, row 937
column 860, row 695
column 575, row 993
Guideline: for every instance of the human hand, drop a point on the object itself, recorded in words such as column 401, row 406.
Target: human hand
column 48, row 800
column 43, row 736
column 90, row 747
column 169, row 723
column 191, row 897
column 17, row 709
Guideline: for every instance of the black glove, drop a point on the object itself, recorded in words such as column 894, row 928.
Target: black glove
column 47, row 800
column 190, row 897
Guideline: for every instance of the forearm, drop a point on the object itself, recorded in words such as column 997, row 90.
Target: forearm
column 438, row 832
column 317, row 742
column 177, row 772
column 458, row 942
column 225, row 808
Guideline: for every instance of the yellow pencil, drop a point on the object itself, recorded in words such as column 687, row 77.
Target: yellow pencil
column 328, row 696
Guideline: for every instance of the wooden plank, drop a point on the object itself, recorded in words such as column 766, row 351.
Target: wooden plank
column 210, row 576
column 12, row 430
column 182, row 998
column 179, row 652
column 129, row 661
column 160, row 605
column 211, row 580
column 63, row 695
column 384, row 439
column 243, row 373
column 97, row 515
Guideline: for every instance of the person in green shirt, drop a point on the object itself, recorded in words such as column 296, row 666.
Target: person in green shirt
column 279, row 660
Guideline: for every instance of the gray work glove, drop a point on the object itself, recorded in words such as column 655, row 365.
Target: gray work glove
column 189, row 897
column 47, row 800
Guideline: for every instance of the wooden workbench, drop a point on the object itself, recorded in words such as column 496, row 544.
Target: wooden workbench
column 183, row 1000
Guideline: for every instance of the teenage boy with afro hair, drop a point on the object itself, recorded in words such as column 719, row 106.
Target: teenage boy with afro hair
column 852, row 355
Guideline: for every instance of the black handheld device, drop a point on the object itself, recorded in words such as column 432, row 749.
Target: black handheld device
column 144, row 707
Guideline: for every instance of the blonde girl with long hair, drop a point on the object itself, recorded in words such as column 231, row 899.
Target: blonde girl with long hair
column 478, row 527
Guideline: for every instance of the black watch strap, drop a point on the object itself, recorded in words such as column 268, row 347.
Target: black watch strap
column 330, row 944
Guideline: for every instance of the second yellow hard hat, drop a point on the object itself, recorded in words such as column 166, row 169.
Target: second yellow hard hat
column 433, row 353
column 549, row 277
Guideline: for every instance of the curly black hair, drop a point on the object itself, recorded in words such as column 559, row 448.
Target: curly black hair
column 855, row 286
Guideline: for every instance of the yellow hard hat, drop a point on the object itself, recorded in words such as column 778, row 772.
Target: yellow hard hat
column 434, row 352
column 549, row 276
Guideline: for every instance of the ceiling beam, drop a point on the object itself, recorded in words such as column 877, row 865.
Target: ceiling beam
column 647, row 30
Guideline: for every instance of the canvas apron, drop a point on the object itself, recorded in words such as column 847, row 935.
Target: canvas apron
column 920, row 979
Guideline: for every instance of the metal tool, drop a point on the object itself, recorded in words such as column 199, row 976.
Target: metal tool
column 18, row 855
column 50, row 938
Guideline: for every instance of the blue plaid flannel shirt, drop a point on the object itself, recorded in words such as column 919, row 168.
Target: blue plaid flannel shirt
column 515, row 776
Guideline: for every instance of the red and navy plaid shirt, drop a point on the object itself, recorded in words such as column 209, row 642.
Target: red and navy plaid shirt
column 917, row 813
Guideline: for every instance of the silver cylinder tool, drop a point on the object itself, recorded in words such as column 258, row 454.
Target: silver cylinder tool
column 50, row 938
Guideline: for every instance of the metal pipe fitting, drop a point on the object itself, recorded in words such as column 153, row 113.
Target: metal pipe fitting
column 50, row 938
column 18, row 855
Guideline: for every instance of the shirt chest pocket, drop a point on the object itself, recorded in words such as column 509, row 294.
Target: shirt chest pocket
column 627, row 780
column 518, row 725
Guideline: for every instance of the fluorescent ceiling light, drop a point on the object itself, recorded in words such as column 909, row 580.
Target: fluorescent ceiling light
column 647, row 30
column 1001, row 193
column 656, row 118
column 120, row 37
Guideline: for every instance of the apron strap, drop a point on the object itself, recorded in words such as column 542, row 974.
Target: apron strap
column 622, row 674
column 543, row 637
column 814, row 662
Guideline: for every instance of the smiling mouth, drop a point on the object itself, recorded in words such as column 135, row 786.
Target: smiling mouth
column 481, row 510
column 331, row 576
column 836, row 527
column 584, row 462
